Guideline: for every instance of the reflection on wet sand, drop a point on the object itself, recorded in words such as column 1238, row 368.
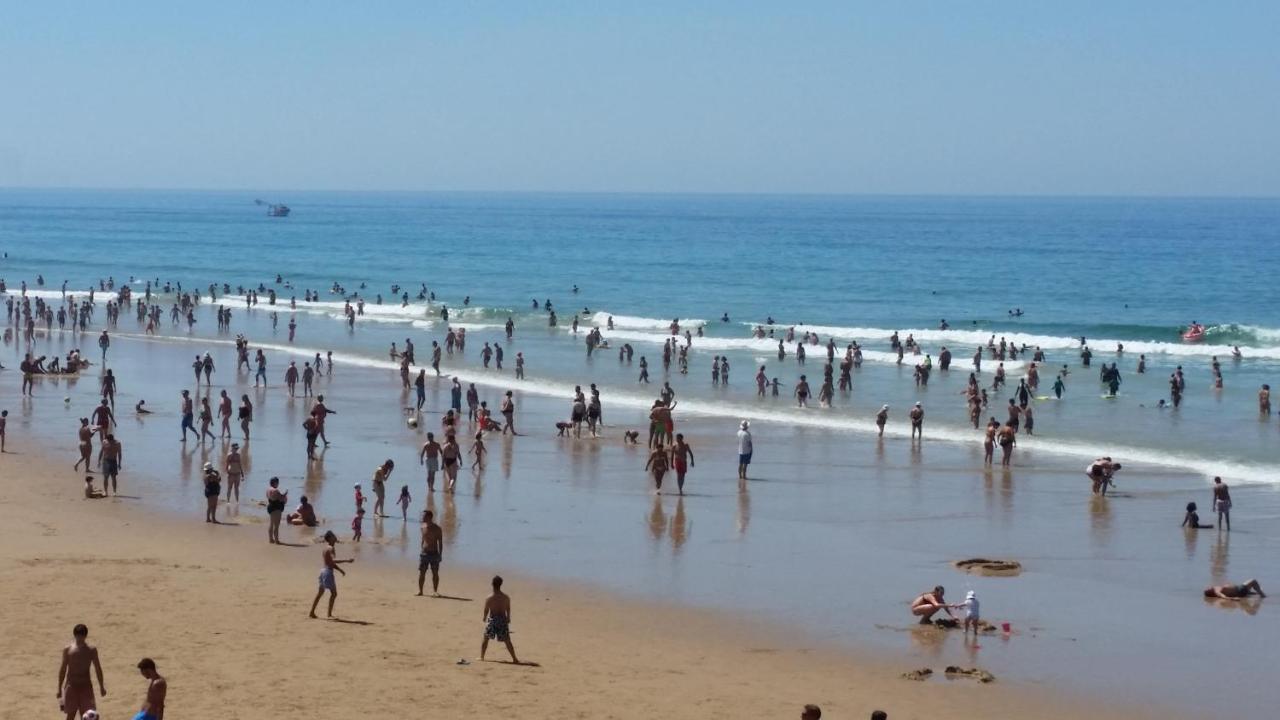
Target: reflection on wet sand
column 929, row 640
column 1249, row 605
column 448, row 521
column 675, row 527
column 1219, row 557
column 1189, row 538
column 508, row 449
column 1100, row 521
column 744, row 509
column 679, row 526
column 657, row 519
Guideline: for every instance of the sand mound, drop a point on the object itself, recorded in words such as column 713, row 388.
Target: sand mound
column 989, row 568
column 978, row 674
column 918, row 675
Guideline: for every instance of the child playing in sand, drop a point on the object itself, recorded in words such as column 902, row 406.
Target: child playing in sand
column 357, row 524
column 403, row 501
column 90, row 492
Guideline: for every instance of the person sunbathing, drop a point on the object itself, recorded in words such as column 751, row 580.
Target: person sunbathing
column 1234, row 592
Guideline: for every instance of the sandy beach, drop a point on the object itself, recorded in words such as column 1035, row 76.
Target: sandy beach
column 224, row 615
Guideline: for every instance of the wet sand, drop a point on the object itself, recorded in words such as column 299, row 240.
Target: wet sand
column 825, row 547
column 224, row 616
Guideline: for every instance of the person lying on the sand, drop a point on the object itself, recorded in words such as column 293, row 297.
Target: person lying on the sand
column 1235, row 592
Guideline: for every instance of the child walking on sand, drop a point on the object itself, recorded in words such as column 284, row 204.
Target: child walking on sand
column 403, row 501
column 357, row 524
column 478, row 450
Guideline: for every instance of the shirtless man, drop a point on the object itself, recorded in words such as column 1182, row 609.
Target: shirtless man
column 1222, row 503
column 224, row 412
column 110, row 458
column 75, row 688
column 497, row 620
column 430, row 456
column 157, row 687
column 188, row 415
column 1264, row 400
column 327, row 579
column 1219, row 592
column 681, row 460
column 917, row 421
column 320, row 413
column 432, row 552
column 291, row 377
column 926, row 605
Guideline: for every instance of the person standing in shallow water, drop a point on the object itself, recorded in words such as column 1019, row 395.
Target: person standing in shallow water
column 277, row 499
column 1222, row 503
column 917, row 421
column 745, row 449
column 657, row 464
column 681, row 460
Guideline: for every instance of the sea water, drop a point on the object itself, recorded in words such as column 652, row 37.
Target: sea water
column 1111, row 596
column 1113, row 271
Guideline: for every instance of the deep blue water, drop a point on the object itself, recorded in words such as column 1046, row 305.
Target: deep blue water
column 1072, row 264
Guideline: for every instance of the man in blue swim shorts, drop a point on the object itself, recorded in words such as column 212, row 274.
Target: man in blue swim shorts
column 744, row 449
column 327, row 579
column 157, row 688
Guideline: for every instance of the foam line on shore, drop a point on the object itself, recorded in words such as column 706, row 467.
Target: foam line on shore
column 813, row 417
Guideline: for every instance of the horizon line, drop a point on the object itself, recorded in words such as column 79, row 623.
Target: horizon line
column 655, row 193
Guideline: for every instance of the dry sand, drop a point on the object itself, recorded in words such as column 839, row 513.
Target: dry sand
column 225, row 616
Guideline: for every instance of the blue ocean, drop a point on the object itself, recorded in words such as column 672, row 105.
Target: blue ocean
column 1114, row 271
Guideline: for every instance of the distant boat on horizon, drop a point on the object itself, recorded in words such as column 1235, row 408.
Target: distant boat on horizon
column 274, row 209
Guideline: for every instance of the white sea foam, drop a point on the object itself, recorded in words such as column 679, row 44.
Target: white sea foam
column 631, row 322
column 962, row 342
column 768, row 348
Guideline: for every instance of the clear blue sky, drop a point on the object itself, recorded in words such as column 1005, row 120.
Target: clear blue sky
column 1023, row 96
